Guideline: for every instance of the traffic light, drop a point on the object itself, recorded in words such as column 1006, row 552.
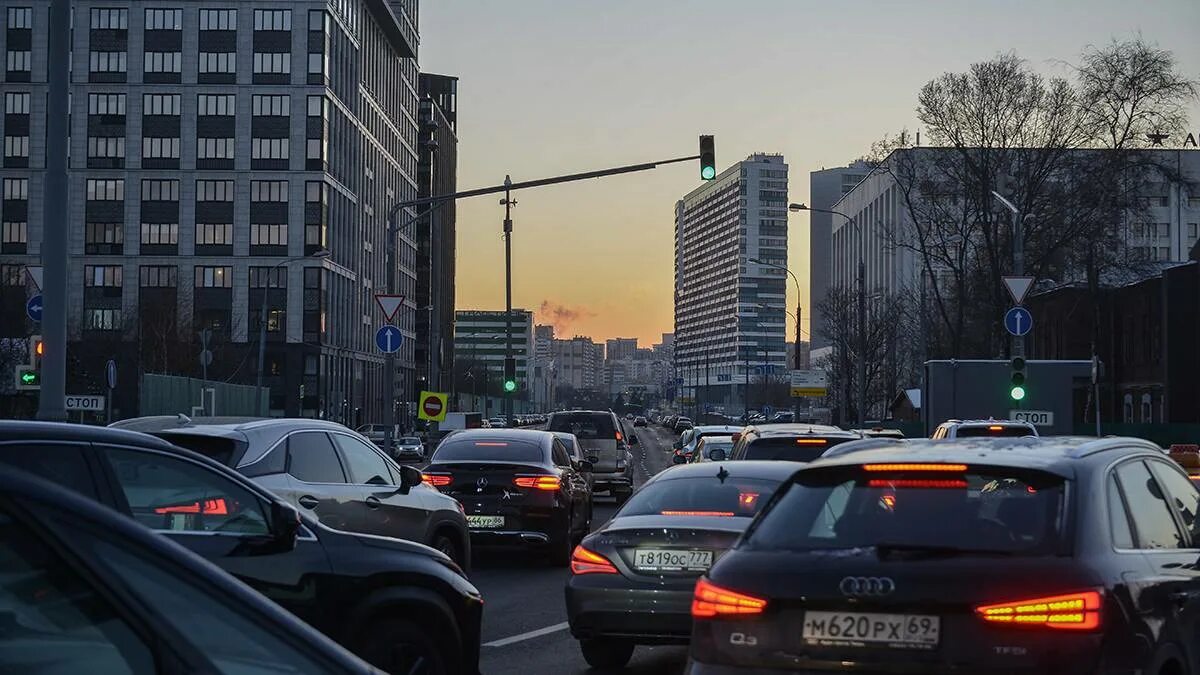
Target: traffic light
column 1017, row 378
column 28, row 378
column 708, row 158
column 510, row 374
column 36, row 349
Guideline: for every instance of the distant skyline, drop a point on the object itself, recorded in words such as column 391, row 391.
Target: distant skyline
column 549, row 87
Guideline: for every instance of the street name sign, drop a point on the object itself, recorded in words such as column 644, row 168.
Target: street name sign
column 1018, row 287
column 1038, row 418
column 84, row 403
column 809, row 383
column 1018, row 321
column 389, row 305
column 389, row 338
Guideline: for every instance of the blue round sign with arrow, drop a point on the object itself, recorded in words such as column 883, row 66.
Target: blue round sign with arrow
column 33, row 308
column 389, row 338
column 1018, row 321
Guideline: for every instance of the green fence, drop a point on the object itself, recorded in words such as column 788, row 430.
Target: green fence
column 170, row 395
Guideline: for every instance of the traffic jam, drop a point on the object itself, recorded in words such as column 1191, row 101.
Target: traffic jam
column 167, row 544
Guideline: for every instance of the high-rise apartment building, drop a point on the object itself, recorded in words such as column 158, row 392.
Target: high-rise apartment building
column 826, row 187
column 618, row 349
column 216, row 151
column 479, row 338
column 579, row 363
column 729, row 312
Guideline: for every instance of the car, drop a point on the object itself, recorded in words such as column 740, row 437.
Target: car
column 1062, row 556
column 601, row 435
column 688, row 439
column 359, row 590
column 86, row 590
column 989, row 428
column 782, row 417
column 578, row 458
column 519, row 488
column 880, row 432
column 681, row 424
column 796, row 442
column 640, row 421
column 712, row 449
column 631, row 580
column 408, row 448
column 372, row 432
column 333, row 473
column 497, row 423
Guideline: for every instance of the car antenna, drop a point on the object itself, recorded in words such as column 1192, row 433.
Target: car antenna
column 183, row 420
column 722, row 474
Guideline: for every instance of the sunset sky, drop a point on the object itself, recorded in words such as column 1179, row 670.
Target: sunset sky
column 561, row 86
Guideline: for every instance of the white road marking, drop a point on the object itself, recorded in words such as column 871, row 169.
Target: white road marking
column 504, row 642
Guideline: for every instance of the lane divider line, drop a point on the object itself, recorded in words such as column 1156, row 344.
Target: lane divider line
column 504, row 642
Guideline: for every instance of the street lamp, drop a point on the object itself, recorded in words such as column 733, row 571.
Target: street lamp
column 796, row 361
column 862, row 310
column 262, row 318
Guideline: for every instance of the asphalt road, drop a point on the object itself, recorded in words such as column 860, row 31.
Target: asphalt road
column 524, row 613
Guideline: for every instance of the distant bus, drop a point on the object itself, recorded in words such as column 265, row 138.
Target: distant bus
column 456, row 421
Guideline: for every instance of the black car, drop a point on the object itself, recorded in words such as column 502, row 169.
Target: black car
column 365, row 592
column 519, row 487
column 631, row 581
column 983, row 555
column 325, row 469
column 84, row 590
column 794, row 442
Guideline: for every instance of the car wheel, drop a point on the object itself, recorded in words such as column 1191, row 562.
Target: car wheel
column 606, row 652
column 444, row 543
column 402, row 647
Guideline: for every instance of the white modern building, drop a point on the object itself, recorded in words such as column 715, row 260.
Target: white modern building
column 579, row 363
column 825, row 188
column 729, row 312
column 479, row 339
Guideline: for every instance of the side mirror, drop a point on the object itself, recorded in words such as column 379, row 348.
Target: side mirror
column 409, row 478
column 285, row 527
column 717, row 454
column 679, row 459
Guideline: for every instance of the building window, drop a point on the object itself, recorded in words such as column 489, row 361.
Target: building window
column 214, row 277
column 14, row 237
column 275, row 19
column 218, row 62
column 262, row 234
column 160, row 234
column 16, row 188
column 216, row 104
column 100, row 190
column 107, row 62
column 164, row 19
column 16, row 103
column 106, row 104
column 1193, row 230
column 314, row 153
column 162, row 62
column 268, row 277
column 104, row 238
column 16, row 147
column 110, row 19
column 160, row 148
column 158, row 276
column 106, row 147
column 218, row 19
column 214, row 190
column 214, row 148
column 154, row 190
column 268, row 191
column 101, row 319
column 272, row 63
column 317, row 68
column 17, row 62
column 20, row 18
column 1164, row 230
column 214, row 234
column 315, row 206
column 270, row 106
column 160, row 104
column 102, row 276
column 268, row 148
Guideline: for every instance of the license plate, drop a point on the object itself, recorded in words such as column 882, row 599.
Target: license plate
column 485, row 522
column 860, row 629
column 666, row 560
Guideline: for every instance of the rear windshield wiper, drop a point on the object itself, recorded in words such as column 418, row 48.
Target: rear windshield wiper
column 887, row 549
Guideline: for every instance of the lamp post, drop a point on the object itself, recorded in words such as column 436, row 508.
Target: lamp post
column 861, row 398
column 262, row 318
column 797, row 363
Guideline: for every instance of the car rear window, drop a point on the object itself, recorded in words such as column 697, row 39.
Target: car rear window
column 1017, row 512
column 701, row 496
column 585, row 426
column 220, row 449
column 792, row 448
column 992, row 430
column 410, row 440
column 478, row 449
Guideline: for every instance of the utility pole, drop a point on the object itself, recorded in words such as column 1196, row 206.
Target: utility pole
column 862, row 341
column 52, row 397
column 508, row 203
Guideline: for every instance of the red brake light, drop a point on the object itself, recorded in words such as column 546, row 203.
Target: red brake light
column 437, row 479
column 995, row 427
column 719, row 514
column 1072, row 611
column 916, row 483
column 584, row 561
column 811, row 441
column 209, row 507
column 747, row 499
column 915, row 467
column 618, row 435
column 491, row 444
column 709, row 600
column 547, row 483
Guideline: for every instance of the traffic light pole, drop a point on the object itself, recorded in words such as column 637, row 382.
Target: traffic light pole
column 508, row 350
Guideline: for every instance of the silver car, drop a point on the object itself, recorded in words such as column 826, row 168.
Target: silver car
column 408, row 448
column 605, row 444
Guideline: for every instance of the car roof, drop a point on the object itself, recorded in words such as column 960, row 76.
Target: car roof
column 792, row 429
column 528, row 435
column 63, row 431
column 1053, row 454
column 717, row 428
column 260, row 435
column 749, row 468
column 1014, row 423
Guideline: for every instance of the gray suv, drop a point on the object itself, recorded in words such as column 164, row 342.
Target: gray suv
column 330, row 472
column 605, row 444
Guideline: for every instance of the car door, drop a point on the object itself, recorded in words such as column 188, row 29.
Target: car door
column 1182, row 496
column 573, row 481
column 1171, row 592
column 317, row 482
column 218, row 519
column 66, row 463
column 389, row 512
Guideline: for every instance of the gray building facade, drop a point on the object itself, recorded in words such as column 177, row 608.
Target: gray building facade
column 826, row 187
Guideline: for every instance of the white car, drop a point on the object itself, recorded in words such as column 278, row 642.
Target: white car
column 497, row 423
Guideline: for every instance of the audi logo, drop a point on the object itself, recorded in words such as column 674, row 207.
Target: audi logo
column 857, row 587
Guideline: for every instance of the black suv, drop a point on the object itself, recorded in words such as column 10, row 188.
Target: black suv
column 395, row 603
column 792, row 442
column 984, row 555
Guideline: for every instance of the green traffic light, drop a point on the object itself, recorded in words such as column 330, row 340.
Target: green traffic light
column 1017, row 393
column 28, row 377
column 708, row 172
column 510, row 385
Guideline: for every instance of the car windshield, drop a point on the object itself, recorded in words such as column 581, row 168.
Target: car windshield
column 410, row 440
column 701, row 495
column 999, row 510
column 797, row 449
column 487, row 450
column 992, row 430
column 585, row 426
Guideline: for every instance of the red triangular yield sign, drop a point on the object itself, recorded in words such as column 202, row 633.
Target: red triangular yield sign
column 389, row 304
column 1018, row 287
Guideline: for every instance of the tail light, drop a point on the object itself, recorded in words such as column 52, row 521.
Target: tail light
column 716, row 514
column 618, row 435
column 1072, row 611
column 584, row 561
column 915, row 467
column 709, row 600
column 437, row 479
column 548, row 483
column 209, row 507
column 916, row 483
column 811, row 441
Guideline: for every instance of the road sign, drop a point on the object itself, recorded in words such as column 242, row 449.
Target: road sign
column 206, row 358
column 84, row 403
column 1018, row 287
column 1018, row 321
column 389, row 338
column 110, row 373
column 389, row 305
column 27, row 378
column 33, row 308
column 767, row 410
column 1038, row 418
column 433, row 406
column 35, row 273
column 809, row 383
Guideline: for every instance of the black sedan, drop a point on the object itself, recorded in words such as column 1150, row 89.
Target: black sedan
column 519, row 488
column 631, row 581
column 363, row 591
column 1008, row 555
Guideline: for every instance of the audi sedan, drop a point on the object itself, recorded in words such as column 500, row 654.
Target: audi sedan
column 631, row 581
column 983, row 555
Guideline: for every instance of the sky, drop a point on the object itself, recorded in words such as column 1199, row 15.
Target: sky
column 549, row 87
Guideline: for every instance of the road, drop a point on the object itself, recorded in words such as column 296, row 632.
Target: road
column 524, row 614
